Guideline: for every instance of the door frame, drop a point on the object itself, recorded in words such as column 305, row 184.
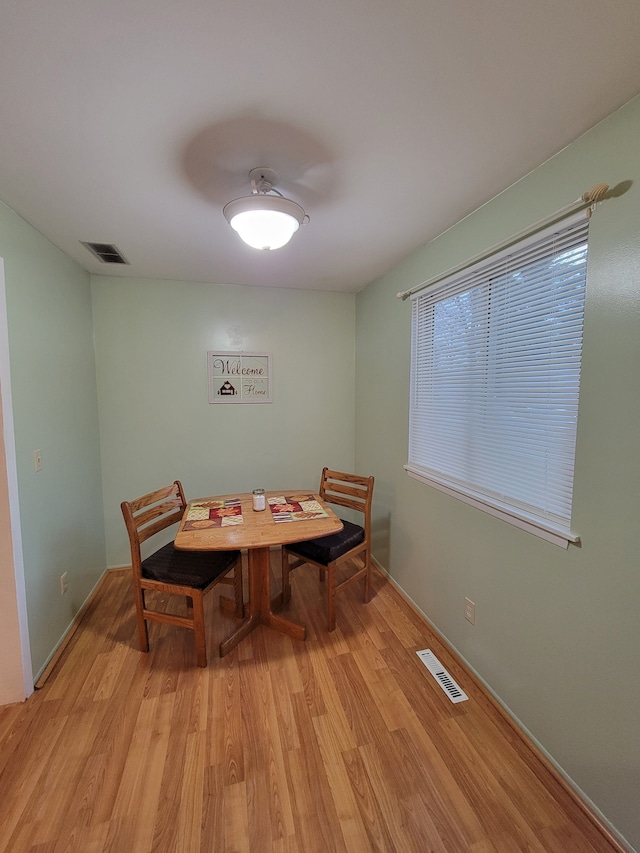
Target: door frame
column 16, row 669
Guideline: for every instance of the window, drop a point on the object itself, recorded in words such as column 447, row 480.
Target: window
column 495, row 375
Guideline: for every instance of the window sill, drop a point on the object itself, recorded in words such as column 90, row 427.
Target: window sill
column 544, row 530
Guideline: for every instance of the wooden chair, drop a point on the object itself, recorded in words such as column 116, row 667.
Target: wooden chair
column 330, row 552
column 188, row 573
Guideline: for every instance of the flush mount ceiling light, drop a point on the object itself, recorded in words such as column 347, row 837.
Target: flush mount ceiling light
column 265, row 219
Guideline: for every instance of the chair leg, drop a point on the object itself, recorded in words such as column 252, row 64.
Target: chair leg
column 237, row 584
column 143, row 633
column 331, row 597
column 198, row 629
column 286, row 585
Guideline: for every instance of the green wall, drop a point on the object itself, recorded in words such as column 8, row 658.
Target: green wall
column 55, row 410
column 557, row 631
column 156, row 422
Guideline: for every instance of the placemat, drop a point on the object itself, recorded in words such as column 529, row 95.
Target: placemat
column 295, row 508
column 213, row 514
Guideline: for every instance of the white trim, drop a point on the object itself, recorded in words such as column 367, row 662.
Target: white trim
column 518, row 467
column 545, row 530
column 504, row 247
column 12, row 480
column 582, row 800
column 62, row 643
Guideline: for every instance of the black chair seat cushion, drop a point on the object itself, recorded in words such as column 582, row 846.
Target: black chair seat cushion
column 187, row 568
column 326, row 549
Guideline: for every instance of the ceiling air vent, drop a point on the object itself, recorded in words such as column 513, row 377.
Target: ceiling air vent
column 106, row 252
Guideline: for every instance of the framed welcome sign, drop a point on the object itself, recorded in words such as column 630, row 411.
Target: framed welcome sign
column 239, row 377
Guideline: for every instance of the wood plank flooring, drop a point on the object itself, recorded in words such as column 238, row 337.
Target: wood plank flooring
column 341, row 743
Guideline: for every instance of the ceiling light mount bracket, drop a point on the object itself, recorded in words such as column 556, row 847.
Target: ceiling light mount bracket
column 265, row 219
column 264, row 180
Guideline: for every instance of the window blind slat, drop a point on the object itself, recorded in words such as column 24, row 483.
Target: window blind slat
column 495, row 375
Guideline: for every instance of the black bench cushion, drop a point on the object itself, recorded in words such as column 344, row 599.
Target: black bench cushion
column 326, row 549
column 187, row 568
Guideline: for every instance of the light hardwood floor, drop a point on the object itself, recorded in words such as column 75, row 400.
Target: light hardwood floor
column 340, row 743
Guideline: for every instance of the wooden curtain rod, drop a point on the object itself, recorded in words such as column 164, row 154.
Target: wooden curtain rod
column 588, row 199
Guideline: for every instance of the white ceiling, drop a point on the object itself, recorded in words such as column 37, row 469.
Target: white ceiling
column 134, row 121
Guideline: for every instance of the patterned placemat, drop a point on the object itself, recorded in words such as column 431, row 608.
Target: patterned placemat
column 213, row 514
column 295, row 508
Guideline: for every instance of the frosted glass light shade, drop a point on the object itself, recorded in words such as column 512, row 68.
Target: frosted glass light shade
column 264, row 229
column 264, row 221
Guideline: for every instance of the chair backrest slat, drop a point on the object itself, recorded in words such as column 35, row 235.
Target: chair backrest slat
column 142, row 519
column 166, row 521
column 348, row 490
column 359, row 506
column 154, row 497
column 148, row 515
column 342, row 489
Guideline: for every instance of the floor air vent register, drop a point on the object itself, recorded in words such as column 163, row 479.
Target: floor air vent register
column 453, row 690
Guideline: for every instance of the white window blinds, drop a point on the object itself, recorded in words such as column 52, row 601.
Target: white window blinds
column 495, row 375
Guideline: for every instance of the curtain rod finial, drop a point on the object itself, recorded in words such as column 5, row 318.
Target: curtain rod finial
column 595, row 194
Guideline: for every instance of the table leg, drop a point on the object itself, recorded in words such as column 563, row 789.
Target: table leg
column 259, row 606
column 262, row 570
column 243, row 630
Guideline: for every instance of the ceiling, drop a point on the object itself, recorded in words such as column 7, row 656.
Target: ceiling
column 134, row 121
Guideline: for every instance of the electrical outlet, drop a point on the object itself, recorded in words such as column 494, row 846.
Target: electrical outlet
column 63, row 583
column 37, row 460
column 470, row 611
